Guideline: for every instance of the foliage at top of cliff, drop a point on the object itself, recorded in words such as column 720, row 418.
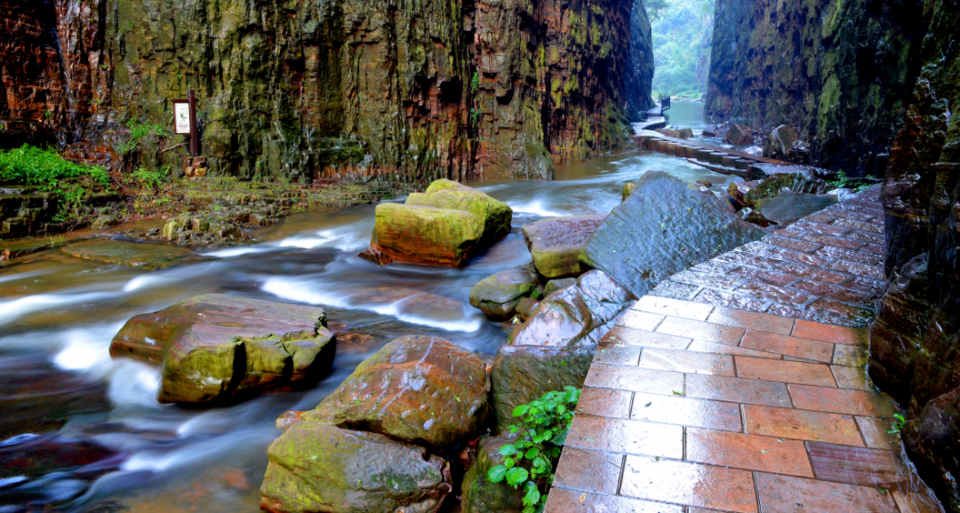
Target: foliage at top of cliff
column 29, row 165
column 682, row 41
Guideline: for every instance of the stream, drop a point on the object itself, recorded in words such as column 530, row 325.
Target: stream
column 83, row 432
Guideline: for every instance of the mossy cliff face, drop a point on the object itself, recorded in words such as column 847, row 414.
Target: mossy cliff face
column 840, row 72
column 638, row 84
column 404, row 91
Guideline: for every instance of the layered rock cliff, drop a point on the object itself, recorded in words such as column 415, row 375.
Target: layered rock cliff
column 403, row 90
column 840, row 72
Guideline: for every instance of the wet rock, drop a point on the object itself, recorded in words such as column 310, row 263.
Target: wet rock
column 627, row 189
column 521, row 374
column 425, row 235
column 526, row 307
column 498, row 295
column 789, row 207
column 495, row 215
column 316, row 466
column 706, row 183
column 216, row 348
column 668, row 132
column 104, row 221
column 555, row 285
column 130, row 254
column 416, row 389
column 738, row 135
column 781, row 141
column 288, row 418
column 752, row 216
column 775, row 185
column 685, row 133
column 664, row 227
column 575, row 315
column 555, row 244
column 479, row 495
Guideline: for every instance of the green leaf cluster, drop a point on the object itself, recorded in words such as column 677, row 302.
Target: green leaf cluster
column 897, row 425
column 28, row 165
column 682, row 34
column 529, row 462
column 140, row 130
column 149, row 178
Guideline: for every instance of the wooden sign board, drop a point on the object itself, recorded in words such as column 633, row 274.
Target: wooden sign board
column 185, row 120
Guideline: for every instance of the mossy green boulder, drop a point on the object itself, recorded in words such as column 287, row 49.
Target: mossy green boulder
column 416, row 389
column 496, row 215
column 316, row 466
column 479, row 494
column 215, row 348
column 555, row 243
column 499, row 295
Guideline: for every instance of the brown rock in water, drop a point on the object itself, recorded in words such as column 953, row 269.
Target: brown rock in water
column 421, row 390
column 739, row 135
column 215, row 348
column 685, row 133
column 779, row 143
column 499, row 295
column 526, row 307
column 555, row 243
column 288, row 418
column 316, row 466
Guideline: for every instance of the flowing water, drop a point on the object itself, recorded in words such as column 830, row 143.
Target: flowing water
column 82, row 432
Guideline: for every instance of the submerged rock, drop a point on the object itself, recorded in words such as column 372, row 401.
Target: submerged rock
column 416, row 389
column 215, row 348
column 574, row 315
column 479, row 494
column 556, row 243
column 130, row 254
column 664, row 227
column 499, row 295
column 316, row 466
column 789, row 207
column 442, row 226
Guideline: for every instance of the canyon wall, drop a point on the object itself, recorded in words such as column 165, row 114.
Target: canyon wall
column 402, row 90
column 840, row 72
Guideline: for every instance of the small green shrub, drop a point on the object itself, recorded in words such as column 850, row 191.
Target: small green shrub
column 897, row 425
column 140, row 130
column 28, row 165
column 529, row 462
column 149, row 178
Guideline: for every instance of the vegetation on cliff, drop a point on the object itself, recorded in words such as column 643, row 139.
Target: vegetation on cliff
column 682, row 32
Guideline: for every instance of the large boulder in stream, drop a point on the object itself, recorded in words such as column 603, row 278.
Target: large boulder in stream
column 416, row 389
column 316, row 466
column 443, row 226
column 216, row 348
column 579, row 314
column 499, row 295
column 665, row 226
column 555, row 243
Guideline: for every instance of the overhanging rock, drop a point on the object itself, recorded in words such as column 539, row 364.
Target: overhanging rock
column 665, row 226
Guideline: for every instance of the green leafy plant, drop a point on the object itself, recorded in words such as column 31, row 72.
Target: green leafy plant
column 29, row 165
column 529, row 462
column 897, row 425
column 140, row 130
column 58, row 241
column 150, row 178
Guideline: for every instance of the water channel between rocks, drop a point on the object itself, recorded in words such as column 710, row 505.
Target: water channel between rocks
column 99, row 441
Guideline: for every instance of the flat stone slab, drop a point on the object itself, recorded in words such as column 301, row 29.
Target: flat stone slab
column 130, row 254
column 555, row 243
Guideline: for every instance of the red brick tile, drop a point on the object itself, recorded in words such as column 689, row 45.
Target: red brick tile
column 774, row 253
column 700, row 330
column 857, row 269
column 673, row 307
column 748, row 259
column 751, row 320
column 813, row 273
column 710, row 347
column 829, row 291
column 567, row 501
column 630, row 336
column 876, row 433
column 820, row 217
column 634, row 379
column 769, row 277
column 859, row 225
column 687, row 412
column 786, row 494
column 853, row 214
column 856, row 465
column 687, row 361
column 829, row 333
column 854, row 378
column 879, row 249
column 730, row 300
column 774, row 293
column 833, row 241
column 870, row 238
column 828, row 311
column 640, row 320
column 789, row 346
column 802, row 425
column 675, row 290
column 861, row 257
column 801, row 227
column 737, row 390
column 617, row 354
column 629, row 436
column 850, row 356
column 715, row 266
column 784, row 371
column 604, row 402
column 866, row 285
column 794, row 244
column 589, row 471
column 751, row 452
column 690, row 484
column 838, row 400
column 716, row 281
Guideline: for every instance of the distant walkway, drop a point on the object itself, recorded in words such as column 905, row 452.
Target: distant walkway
column 691, row 406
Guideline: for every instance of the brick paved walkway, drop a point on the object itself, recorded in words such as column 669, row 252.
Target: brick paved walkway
column 691, row 407
column 827, row 267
